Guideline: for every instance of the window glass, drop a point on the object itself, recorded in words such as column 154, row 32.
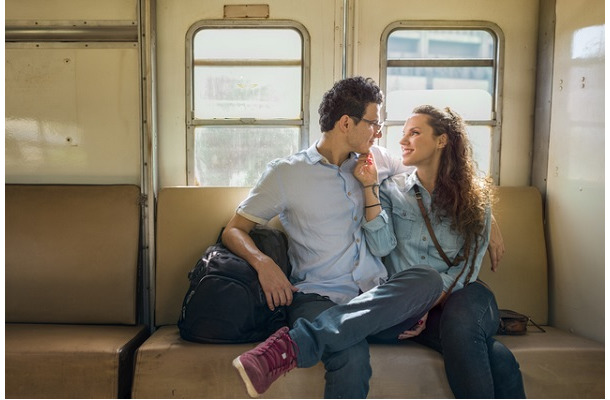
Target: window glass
column 237, row 156
column 247, row 44
column 445, row 43
column 247, row 92
column 471, row 104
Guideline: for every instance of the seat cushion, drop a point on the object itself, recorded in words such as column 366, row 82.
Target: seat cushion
column 521, row 281
column 554, row 364
column 70, row 361
column 189, row 219
column 169, row 367
column 558, row 364
column 71, row 253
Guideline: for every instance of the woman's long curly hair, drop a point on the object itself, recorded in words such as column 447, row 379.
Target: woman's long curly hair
column 459, row 192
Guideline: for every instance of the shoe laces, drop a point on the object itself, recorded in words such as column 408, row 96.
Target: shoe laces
column 280, row 354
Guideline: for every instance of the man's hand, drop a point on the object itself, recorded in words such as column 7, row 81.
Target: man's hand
column 278, row 289
column 416, row 330
column 496, row 245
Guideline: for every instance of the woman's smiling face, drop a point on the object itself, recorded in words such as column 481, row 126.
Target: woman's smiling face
column 419, row 144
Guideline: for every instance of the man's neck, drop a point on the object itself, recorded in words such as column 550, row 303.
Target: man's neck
column 332, row 150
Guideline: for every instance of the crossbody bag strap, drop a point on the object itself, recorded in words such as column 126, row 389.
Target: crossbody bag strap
column 420, row 203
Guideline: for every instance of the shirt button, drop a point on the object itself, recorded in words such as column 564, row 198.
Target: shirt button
column 423, row 257
column 357, row 262
column 349, row 193
column 357, row 240
column 423, row 238
column 355, row 218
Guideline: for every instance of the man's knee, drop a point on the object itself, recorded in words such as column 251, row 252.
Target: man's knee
column 428, row 279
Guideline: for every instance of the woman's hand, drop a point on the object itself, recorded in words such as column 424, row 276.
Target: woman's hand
column 416, row 330
column 496, row 245
column 366, row 170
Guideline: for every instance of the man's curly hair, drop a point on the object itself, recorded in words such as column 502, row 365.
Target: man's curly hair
column 348, row 97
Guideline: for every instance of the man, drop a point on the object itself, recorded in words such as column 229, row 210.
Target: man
column 337, row 293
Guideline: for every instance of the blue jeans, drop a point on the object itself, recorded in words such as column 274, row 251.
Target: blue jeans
column 462, row 330
column 336, row 334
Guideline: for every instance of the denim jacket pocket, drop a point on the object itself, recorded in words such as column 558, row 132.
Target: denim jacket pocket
column 449, row 240
column 405, row 222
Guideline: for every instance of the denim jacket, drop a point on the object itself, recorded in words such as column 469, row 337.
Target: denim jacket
column 399, row 233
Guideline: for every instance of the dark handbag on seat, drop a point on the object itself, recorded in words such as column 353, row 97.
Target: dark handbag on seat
column 514, row 323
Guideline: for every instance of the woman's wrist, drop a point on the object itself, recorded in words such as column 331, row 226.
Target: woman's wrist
column 374, row 191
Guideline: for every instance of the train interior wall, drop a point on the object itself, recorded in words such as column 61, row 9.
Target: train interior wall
column 74, row 111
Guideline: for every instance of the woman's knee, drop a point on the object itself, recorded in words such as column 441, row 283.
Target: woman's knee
column 503, row 361
column 471, row 308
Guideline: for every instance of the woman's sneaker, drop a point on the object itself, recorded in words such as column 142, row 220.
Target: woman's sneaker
column 262, row 365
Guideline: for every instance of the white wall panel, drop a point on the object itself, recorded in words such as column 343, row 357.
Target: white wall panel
column 72, row 109
column 71, row 10
column 575, row 186
column 72, row 115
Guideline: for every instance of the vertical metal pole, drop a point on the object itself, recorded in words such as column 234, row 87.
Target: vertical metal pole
column 149, row 180
column 544, row 93
column 345, row 29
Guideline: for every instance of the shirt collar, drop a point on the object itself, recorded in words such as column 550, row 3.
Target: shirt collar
column 315, row 157
column 411, row 181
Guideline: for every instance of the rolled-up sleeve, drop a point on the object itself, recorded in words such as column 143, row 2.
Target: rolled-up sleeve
column 379, row 232
column 265, row 200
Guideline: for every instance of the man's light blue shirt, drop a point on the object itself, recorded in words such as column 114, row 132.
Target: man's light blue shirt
column 400, row 234
column 321, row 208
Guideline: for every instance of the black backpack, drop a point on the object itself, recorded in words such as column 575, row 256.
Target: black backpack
column 225, row 302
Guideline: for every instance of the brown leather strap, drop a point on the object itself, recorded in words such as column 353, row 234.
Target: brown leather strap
column 431, row 231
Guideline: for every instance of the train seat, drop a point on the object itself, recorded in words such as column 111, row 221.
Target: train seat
column 555, row 364
column 71, row 290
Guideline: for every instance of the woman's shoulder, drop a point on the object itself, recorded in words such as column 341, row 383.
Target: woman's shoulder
column 396, row 187
column 399, row 181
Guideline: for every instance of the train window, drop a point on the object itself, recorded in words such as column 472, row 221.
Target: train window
column 246, row 100
column 454, row 66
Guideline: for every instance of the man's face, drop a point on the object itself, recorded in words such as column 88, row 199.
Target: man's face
column 366, row 130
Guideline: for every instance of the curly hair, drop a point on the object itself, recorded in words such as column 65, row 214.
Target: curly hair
column 459, row 192
column 348, row 97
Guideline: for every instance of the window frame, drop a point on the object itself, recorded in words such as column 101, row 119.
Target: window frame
column 497, row 64
column 192, row 123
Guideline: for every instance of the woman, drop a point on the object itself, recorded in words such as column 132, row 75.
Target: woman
column 457, row 203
